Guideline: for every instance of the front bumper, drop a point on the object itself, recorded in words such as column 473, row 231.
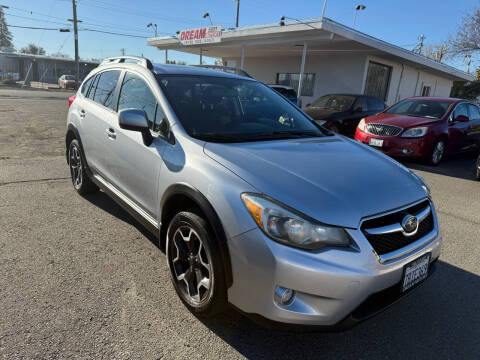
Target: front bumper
column 334, row 286
column 397, row 146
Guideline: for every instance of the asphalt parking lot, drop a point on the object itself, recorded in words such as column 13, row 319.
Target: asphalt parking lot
column 79, row 278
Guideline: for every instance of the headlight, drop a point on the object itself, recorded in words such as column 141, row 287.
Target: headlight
column 361, row 124
column 287, row 227
column 415, row 132
column 422, row 182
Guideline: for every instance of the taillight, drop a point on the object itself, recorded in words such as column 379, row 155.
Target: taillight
column 71, row 99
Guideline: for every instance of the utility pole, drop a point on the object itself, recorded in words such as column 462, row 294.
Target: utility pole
column 122, row 51
column 75, row 31
column 238, row 12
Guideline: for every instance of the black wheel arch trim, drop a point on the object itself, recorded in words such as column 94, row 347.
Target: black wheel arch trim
column 212, row 217
column 72, row 129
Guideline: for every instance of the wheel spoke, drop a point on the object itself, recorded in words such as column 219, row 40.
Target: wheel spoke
column 190, row 264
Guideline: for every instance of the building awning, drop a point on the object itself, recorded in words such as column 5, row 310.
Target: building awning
column 322, row 36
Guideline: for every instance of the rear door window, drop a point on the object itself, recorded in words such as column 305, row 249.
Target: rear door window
column 474, row 112
column 86, row 85
column 105, row 90
column 91, row 93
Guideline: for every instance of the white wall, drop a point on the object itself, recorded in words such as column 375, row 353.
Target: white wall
column 345, row 73
column 333, row 73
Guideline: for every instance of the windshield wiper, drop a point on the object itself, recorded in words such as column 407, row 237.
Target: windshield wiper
column 212, row 137
column 282, row 134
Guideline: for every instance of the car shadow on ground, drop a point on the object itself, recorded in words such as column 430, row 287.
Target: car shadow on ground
column 439, row 320
column 107, row 204
column 461, row 166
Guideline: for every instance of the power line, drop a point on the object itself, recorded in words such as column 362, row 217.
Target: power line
column 37, row 28
column 138, row 30
column 114, row 33
column 36, row 19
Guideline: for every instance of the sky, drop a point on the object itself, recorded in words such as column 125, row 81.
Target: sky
column 397, row 22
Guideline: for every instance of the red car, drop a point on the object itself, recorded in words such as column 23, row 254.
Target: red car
column 423, row 127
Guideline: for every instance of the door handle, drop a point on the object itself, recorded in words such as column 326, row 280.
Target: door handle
column 82, row 114
column 111, row 133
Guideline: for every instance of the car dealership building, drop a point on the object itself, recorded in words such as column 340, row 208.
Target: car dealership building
column 323, row 57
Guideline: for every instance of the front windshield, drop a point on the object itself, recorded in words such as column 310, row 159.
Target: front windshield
column 69, row 77
column 224, row 109
column 334, row 102
column 431, row 109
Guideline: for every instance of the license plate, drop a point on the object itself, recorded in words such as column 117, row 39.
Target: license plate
column 376, row 142
column 415, row 272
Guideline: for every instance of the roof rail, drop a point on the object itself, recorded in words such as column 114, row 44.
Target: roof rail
column 227, row 69
column 125, row 59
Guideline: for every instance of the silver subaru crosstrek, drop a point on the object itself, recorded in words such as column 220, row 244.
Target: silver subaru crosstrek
column 257, row 206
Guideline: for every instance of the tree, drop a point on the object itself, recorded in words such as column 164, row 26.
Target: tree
column 33, row 49
column 435, row 51
column 467, row 39
column 61, row 55
column 5, row 35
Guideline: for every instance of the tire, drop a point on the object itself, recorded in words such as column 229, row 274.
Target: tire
column 80, row 179
column 437, row 153
column 195, row 263
column 478, row 168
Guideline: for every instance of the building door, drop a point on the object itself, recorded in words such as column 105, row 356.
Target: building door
column 378, row 80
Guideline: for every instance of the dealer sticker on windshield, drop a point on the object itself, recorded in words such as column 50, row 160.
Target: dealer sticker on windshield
column 415, row 272
column 376, row 142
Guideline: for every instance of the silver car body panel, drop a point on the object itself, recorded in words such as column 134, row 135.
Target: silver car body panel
column 333, row 180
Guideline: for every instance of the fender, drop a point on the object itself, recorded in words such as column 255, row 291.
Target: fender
column 72, row 129
column 202, row 202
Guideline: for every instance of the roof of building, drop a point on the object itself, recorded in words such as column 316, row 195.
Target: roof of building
column 322, row 35
column 44, row 57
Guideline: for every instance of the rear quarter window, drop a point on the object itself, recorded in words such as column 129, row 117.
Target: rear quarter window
column 86, row 86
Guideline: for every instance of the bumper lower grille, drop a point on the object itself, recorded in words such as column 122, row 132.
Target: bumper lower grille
column 389, row 241
column 383, row 130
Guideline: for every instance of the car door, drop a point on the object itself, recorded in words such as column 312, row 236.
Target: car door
column 458, row 131
column 136, row 167
column 359, row 111
column 98, row 118
column 473, row 132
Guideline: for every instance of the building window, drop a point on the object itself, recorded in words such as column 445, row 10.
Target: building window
column 378, row 80
column 426, row 90
column 289, row 79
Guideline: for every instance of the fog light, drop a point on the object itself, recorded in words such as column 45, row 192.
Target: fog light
column 284, row 296
column 407, row 151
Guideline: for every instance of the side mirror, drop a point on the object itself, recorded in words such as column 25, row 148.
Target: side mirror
column 135, row 120
column 308, row 105
column 462, row 118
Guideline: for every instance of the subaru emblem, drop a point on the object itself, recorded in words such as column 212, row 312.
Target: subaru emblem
column 410, row 224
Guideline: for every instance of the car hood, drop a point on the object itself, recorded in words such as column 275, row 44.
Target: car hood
column 320, row 114
column 334, row 180
column 403, row 121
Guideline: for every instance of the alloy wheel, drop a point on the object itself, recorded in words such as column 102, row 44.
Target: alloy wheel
column 191, row 265
column 76, row 168
column 438, row 152
column 478, row 168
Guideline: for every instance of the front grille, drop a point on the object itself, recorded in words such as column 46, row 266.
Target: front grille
column 383, row 130
column 388, row 242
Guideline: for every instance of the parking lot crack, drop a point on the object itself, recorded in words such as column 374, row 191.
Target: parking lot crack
column 32, row 181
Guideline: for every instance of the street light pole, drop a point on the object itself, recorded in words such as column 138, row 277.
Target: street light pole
column 358, row 7
column 323, row 9
column 75, row 31
column 238, row 12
